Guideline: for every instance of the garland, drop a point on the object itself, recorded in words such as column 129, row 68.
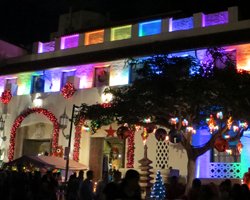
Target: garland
column 78, row 131
column 18, row 122
column 131, row 149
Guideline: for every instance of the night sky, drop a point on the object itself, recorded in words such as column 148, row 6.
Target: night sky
column 26, row 21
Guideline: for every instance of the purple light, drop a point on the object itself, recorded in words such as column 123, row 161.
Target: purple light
column 70, row 41
column 215, row 19
column 181, row 24
column 46, row 47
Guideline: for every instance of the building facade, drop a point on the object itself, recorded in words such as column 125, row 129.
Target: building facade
column 93, row 60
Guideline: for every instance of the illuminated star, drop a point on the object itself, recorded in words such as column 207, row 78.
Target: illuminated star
column 110, row 131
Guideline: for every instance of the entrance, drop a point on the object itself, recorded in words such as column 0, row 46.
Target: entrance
column 33, row 147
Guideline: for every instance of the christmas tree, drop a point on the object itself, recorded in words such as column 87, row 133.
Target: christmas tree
column 158, row 189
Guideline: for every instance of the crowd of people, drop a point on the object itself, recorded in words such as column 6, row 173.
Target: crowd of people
column 16, row 185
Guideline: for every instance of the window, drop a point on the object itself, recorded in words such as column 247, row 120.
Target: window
column 37, row 84
column 149, row 28
column 65, row 76
column 101, row 76
column 11, row 84
column 94, row 37
column 121, row 33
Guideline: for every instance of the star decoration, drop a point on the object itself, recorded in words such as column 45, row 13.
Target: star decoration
column 110, row 131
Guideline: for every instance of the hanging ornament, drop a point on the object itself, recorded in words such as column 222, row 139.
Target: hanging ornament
column 219, row 115
column 184, row 122
column 160, row 134
column 6, row 96
column 221, row 144
column 123, row 132
column 229, row 122
column 174, row 136
column 150, row 128
column 212, row 124
column 68, row 90
column 110, row 131
column 174, row 120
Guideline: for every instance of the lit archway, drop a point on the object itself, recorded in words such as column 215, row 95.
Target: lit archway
column 19, row 120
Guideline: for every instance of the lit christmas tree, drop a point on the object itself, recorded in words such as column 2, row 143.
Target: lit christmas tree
column 158, row 189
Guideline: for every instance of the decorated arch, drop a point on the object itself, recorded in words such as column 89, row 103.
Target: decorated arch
column 18, row 122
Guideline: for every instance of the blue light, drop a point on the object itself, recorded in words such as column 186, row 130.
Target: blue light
column 149, row 28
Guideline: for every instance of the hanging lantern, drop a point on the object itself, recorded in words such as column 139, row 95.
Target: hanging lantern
column 123, row 132
column 160, row 134
column 221, row 144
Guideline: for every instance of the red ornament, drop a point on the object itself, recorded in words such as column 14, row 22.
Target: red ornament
column 123, row 132
column 68, row 90
column 110, row 131
column 221, row 144
column 77, row 140
column 130, row 149
column 6, row 96
column 18, row 122
column 160, row 134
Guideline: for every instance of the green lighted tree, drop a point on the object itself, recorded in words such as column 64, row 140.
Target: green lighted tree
column 179, row 93
column 158, row 189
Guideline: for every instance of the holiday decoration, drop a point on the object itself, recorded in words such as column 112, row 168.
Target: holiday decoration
column 6, row 96
column 123, row 132
column 160, row 134
column 158, row 190
column 212, row 124
column 221, row 144
column 150, row 127
column 145, row 175
column 77, row 139
column 59, row 151
column 18, row 122
column 144, row 135
column 239, row 147
column 68, row 90
column 130, row 149
column 174, row 136
column 110, row 131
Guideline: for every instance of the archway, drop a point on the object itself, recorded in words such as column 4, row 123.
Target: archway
column 19, row 120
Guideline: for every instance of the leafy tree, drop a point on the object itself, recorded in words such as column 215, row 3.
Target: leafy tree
column 184, row 88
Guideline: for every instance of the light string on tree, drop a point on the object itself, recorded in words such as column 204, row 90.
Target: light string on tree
column 77, row 139
column 18, row 122
column 68, row 90
column 6, row 96
column 131, row 149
